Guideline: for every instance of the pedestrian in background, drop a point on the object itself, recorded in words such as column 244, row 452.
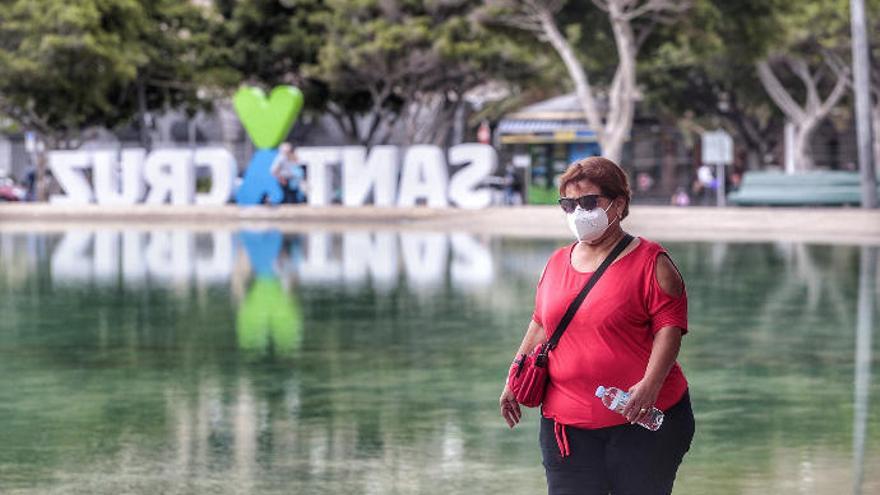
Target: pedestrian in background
column 290, row 174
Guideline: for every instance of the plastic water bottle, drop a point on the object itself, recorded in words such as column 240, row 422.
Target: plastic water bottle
column 615, row 399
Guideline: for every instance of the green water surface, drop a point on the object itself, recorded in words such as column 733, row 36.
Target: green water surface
column 371, row 363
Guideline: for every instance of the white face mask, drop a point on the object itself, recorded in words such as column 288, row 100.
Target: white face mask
column 588, row 225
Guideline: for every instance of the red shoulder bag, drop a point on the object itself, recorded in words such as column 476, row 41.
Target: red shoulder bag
column 528, row 374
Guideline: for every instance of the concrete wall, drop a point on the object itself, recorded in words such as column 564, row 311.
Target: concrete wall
column 14, row 160
column 5, row 157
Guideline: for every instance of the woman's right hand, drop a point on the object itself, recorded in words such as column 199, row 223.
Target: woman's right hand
column 509, row 406
column 510, row 410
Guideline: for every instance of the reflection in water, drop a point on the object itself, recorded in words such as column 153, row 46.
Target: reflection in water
column 165, row 256
column 268, row 313
column 864, row 328
column 178, row 257
column 369, row 362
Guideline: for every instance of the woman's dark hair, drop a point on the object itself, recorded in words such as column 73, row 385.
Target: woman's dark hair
column 605, row 174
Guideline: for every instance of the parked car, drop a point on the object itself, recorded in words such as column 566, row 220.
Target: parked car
column 10, row 191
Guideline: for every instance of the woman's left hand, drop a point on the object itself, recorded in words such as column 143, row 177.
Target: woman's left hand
column 642, row 397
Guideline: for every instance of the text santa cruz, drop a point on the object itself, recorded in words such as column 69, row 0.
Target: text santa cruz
column 383, row 176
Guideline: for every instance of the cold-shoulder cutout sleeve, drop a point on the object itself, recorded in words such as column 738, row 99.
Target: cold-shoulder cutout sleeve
column 667, row 297
column 668, row 277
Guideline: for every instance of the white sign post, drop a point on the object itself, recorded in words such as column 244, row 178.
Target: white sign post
column 717, row 149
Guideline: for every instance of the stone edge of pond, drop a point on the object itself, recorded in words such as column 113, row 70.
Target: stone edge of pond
column 664, row 223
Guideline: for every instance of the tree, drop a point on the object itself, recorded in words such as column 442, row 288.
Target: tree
column 267, row 41
column 68, row 66
column 72, row 65
column 701, row 70
column 632, row 21
column 810, row 35
column 378, row 68
column 61, row 66
column 175, row 38
column 408, row 64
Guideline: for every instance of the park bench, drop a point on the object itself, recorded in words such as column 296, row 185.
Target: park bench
column 826, row 188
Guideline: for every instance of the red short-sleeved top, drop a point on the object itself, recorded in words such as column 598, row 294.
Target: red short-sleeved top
column 609, row 340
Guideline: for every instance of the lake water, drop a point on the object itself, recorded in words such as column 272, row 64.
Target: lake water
column 367, row 362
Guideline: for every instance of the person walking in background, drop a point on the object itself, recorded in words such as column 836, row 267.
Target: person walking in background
column 680, row 197
column 290, row 174
column 705, row 185
column 512, row 186
column 626, row 333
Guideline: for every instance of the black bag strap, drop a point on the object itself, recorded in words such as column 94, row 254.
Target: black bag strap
column 573, row 307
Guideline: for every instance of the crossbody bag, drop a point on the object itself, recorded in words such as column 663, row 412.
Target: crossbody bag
column 528, row 374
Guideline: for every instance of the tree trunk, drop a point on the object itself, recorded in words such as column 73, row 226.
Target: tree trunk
column 669, row 161
column 143, row 132
column 40, row 176
column 758, row 143
column 754, row 159
column 803, row 136
column 577, row 73
column 757, row 137
column 875, row 121
column 612, row 146
column 615, row 130
column 621, row 104
column 44, row 144
column 805, row 118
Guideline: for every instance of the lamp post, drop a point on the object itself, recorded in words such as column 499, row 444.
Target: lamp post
column 861, row 81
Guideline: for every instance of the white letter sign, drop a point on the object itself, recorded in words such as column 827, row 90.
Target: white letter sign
column 481, row 160
column 118, row 182
column 317, row 160
column 170, row 173
column 222, row 165
column 424, row 176
column 361, row 174
column 68, row 167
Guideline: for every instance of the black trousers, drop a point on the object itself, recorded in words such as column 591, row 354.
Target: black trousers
column 620, row 460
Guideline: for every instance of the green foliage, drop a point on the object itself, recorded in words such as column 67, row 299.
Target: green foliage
column 367, row 57
column 70, row 65
column 267, row 41
column 702, row 69
column 588, row 29
column 823, row 22
column 426, row 48
column 585, row 26
column 695, row 64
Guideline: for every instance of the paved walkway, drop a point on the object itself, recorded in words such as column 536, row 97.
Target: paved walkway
column 837, row 225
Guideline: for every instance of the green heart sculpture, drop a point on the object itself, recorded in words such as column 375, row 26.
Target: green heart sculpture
column 268, row 120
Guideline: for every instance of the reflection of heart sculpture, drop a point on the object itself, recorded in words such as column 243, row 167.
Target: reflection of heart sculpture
column 268, row 120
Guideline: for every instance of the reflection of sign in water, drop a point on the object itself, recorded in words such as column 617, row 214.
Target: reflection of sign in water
column 268, row 316
column 425, row 259
column 179, row 257
column 160, row 256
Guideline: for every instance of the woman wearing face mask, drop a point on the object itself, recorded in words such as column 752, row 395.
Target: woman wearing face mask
column 626, row 333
